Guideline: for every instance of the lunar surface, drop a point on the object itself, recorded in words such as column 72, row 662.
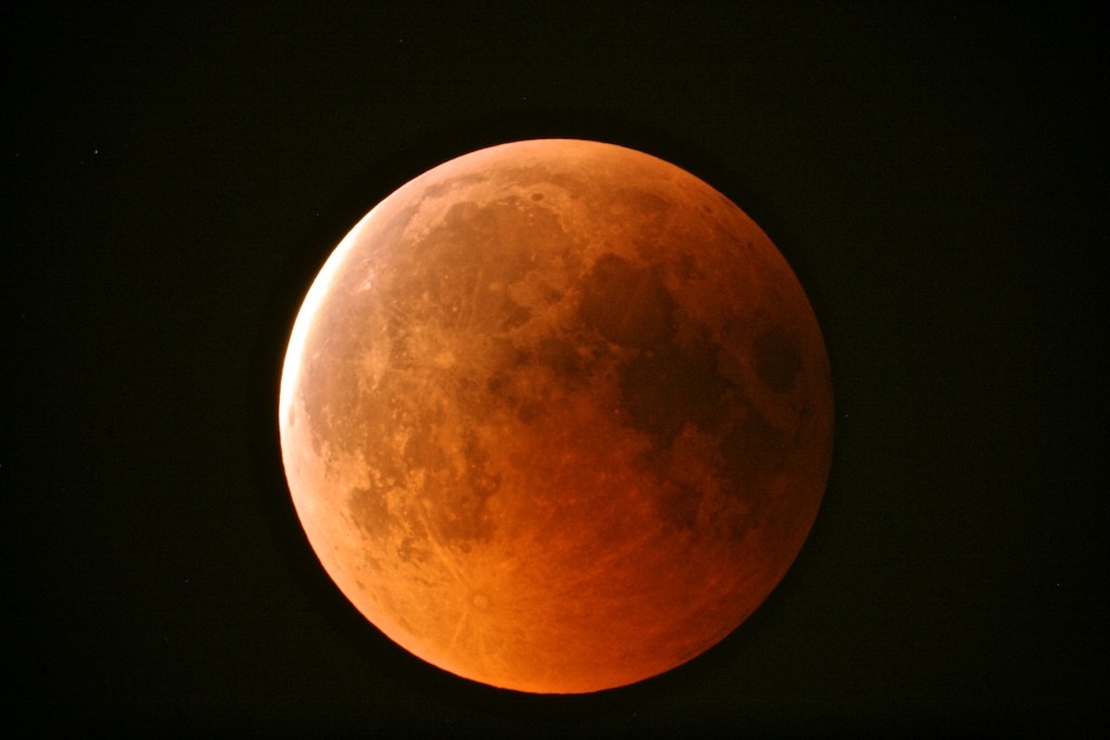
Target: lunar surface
column 556, row 416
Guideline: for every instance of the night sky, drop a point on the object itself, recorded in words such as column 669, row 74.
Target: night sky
column 173, row 179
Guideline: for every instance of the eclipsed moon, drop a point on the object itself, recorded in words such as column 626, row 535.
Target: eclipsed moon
column 556, row 416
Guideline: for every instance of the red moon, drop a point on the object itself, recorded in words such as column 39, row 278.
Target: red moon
column 556, row 416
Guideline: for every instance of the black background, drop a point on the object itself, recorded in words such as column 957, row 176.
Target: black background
column 173, row 178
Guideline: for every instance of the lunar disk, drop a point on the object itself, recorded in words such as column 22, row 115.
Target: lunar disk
column 556, row 416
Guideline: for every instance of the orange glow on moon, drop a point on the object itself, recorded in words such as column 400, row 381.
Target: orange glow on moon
column 556, row 416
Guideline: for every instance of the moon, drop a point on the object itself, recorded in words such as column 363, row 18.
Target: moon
column 556, row 416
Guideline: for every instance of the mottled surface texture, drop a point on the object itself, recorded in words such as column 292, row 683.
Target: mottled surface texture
column 556, row 416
